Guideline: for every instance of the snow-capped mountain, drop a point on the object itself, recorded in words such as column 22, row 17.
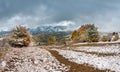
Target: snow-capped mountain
column 48, row 29
column 42, row 29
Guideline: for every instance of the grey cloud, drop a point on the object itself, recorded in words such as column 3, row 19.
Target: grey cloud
column 104, row 13
column 12, row 7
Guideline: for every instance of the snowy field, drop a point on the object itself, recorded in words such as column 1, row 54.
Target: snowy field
column 31, row 60
column 103, row 49
column 106, row 62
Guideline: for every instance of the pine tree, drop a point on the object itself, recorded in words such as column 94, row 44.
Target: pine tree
column 20, row 37
column 93, row 34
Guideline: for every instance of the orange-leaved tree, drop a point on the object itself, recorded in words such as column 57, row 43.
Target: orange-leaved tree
column 75, row 35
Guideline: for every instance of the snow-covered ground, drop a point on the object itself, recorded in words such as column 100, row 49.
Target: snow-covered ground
column 106, row 62
column 102, row 49
column 41, row 59
column 31, row 60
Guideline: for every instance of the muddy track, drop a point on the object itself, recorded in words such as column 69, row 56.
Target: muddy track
column 98, row 54
column 95, row 44
column 74, row 67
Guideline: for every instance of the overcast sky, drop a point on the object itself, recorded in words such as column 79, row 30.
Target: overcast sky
column 105, row 14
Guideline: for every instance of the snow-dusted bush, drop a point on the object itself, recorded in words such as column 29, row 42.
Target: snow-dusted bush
column 20, row 37
column 105, row 38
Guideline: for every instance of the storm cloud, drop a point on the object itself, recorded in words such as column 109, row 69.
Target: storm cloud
column 105, row 14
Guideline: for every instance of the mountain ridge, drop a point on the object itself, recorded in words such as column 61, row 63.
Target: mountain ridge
column 41, row 29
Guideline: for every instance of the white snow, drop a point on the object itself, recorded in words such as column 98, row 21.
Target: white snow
column 3, row 63
column 1, row 39
column 102, row 49
column 108, row 62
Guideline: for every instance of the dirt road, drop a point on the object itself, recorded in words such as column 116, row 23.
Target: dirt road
column 74, row 67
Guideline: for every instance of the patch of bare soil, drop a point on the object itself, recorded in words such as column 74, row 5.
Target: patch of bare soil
column 74, row 67
column 2, row 53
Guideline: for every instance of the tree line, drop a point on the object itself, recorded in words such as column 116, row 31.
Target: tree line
column 20, row 36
